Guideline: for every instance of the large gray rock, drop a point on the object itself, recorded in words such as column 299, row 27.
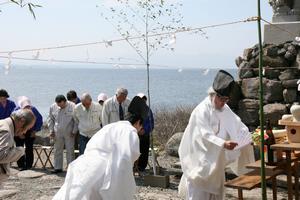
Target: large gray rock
column 297, row 61
column 270, row 61
column 290, row 83
column 291, row 53
column 271, row 51
column 281, row 52
column 290, row 95
column 289, row 56
column 30, row 174
column 245, row 70
column 248, row 53
column 238, row 61
column 274, row 112
column 272, row 89
column 173, row 144
column 271, row 73
column 248, row 111
column 253, row 62
column 250, row 88
column 235, row 96
column 274, row 62
column 291, row 48
column 287, row 74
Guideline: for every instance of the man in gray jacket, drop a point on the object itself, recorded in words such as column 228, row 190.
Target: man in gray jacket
column 116, row 107
column 63, row 129
column 17, row 124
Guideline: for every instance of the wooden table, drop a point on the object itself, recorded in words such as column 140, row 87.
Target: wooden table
column 288, row 148
column 271, row 171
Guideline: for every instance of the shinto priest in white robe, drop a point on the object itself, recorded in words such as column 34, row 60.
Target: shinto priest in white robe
column 104, row 171
column 202, row 154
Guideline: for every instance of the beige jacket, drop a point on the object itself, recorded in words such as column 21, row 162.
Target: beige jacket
column 88, row 120
column 8, row 152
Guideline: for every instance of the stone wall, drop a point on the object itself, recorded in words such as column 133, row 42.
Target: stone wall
column 281, row 73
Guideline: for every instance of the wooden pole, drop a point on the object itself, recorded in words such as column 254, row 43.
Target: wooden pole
column 148, row 91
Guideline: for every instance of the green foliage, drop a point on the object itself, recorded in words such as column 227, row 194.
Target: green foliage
column 29, row 5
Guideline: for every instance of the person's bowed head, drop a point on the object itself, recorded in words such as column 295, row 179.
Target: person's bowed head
column 24, row 120
column 101, row 98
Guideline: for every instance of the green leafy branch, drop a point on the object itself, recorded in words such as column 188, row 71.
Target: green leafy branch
column 29, row 5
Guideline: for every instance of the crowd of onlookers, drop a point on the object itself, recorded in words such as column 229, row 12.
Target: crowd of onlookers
column 72, row 121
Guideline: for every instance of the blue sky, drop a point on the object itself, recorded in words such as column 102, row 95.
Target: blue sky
column 61, row 22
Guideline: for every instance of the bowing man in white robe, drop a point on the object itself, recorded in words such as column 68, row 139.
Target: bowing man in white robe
column 214, row 138
column 104, row 171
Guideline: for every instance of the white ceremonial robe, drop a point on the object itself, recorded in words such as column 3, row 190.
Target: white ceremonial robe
column 104, row 171
column 202, row 154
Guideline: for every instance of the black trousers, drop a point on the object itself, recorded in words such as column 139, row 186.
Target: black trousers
column 26, row 161
column 144, row 150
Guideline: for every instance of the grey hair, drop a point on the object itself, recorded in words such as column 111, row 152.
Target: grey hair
column 211, row 92
column 86, row 96
column 25, row 114
column 122, row 91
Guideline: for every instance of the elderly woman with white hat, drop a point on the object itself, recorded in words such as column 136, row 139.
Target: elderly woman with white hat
column 26, row 161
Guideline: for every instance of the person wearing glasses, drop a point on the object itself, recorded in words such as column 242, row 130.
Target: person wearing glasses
column 116, row 107
column 214, row 137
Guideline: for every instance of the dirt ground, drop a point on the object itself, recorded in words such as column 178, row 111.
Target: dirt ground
column 46, row 185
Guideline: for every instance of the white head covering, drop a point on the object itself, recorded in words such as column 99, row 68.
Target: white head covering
column 141, row 95
column 23, row 101
column 102, row 97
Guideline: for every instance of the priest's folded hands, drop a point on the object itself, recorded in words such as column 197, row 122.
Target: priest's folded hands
column 230, row 145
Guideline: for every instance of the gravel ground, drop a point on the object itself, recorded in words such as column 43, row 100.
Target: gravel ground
column 44, row 187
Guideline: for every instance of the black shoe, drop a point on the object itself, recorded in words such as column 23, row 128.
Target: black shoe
column 56, row 171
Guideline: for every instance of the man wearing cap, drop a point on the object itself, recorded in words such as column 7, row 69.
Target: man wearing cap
column 148, row 126
column 26, row 161
column 63, row 129
column 87, row 116
column 101, row 98
column 6, row 106
column 115, row 108
column 104, row 171
column 213, row 139
column 17, row 124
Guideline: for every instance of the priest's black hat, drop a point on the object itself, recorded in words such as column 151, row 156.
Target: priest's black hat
column 223, row 83
column 139, row 108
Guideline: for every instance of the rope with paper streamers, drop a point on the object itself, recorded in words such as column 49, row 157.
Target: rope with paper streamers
column 109, row 43
column 115, row 64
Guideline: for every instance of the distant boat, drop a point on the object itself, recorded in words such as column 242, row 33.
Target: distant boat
column 179, row 70
column 205, row 72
